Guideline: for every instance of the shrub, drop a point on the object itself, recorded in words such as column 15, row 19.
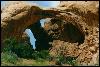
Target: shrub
column 9, row 57
column 23, row 50
column 43, row 54
column 60, row 60
column 71, row 60
column 65, row 60
column 9, row 44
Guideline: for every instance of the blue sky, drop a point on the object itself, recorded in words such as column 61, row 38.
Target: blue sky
column 45, row 4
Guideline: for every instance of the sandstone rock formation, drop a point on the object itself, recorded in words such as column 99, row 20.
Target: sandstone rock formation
column 18, row 15
column 75, row 33
column 88, row 10
column 71, row 29
column 25, row 38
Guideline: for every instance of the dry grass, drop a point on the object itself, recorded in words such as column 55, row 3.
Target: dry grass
column 27, row 62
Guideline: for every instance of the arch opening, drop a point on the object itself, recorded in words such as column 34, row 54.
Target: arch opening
column 40, row 38
column 73, row 34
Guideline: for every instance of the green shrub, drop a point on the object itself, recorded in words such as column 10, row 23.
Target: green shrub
column 35, row 55
column 60, row 60
column 23, row 50
column 9, row 44
column 65, row 60
column 43, row 54
column 71, row 60
column 9, row 57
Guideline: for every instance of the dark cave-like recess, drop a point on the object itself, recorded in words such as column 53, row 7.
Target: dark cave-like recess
column 40, row 35
column 73, row 33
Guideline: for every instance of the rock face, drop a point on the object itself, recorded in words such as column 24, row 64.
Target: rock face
column 18, row 15
column 75, row 32
column 71, row 29
column 89, row 11
column 25, row 38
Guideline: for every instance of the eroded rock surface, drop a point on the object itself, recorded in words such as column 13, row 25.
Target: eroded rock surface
column 75, row 33
column 18, row 15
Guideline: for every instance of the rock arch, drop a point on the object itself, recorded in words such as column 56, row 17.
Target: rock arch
column 19, row 15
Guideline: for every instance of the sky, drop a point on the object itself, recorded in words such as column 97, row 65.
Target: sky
column 45, row 4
